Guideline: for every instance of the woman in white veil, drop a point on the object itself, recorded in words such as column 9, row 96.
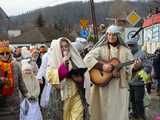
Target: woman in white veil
column 62, row 59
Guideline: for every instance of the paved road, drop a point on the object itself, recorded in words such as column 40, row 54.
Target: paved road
column 154, row 109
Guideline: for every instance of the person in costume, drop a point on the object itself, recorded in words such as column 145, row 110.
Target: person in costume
column 34, row 56
column 34, row 53
column 41, row 77
column 42, row 51
column 156, row 70
column 140, row 79
column 110, row 102
column 17, row 54
column 10, row 84
column 29, row 72
column 61, row 60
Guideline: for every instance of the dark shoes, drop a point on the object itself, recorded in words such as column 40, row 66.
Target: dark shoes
column 132, row 116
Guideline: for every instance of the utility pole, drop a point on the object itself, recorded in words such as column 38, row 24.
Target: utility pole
column 94, row 19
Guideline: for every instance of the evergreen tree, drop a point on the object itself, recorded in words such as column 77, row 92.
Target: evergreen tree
column 40, row 21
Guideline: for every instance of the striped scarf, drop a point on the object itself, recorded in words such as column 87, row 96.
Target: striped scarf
column 6, row 74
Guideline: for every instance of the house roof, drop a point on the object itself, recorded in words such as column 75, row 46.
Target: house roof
column 29, row 37
column 5, row 22
column 3, row 15
column 154, row 19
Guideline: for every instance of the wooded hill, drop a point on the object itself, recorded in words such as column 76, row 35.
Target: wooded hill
column 71, row 13
column 64, row 19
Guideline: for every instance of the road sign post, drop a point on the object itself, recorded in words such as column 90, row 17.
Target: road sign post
column 129, row 32
column 133, row 18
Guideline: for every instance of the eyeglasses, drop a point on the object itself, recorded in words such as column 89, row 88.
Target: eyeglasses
column 5, row 53
column 130, row 45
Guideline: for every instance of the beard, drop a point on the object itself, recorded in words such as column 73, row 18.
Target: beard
column 114, row 44
column 4, row 58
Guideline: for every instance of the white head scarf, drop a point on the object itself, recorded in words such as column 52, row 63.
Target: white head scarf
column 113, row 29
column 55, row 59
column 79, row 43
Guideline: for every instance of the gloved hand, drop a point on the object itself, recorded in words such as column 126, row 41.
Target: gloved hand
column 1, row 83
column 27, row 95
column 4, row 81
column 32, row 98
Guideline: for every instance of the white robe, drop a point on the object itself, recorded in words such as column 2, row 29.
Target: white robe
column 110, row 102
column 43, row 68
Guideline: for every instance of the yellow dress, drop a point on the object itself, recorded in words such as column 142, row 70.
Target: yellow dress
column 73, row 107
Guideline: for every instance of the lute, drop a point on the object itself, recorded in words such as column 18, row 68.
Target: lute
column 101, row 78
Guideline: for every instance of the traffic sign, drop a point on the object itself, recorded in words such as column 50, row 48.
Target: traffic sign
column 84, row 33
column 129, row 32
column 133, row 18
column 84, row 23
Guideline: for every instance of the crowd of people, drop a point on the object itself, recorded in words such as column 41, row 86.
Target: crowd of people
column 55, row 83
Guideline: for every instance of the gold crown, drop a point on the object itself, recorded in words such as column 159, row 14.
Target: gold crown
column 4, row 46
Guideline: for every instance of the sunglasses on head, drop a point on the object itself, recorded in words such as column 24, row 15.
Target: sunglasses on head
column 5, row 53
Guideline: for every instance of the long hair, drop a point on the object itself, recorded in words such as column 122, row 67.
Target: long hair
column 120, row 40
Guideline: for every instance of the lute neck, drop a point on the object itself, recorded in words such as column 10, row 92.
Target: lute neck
column 147, row 57
column 124, row 64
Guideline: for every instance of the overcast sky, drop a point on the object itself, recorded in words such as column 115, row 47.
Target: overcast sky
column 15, row 7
